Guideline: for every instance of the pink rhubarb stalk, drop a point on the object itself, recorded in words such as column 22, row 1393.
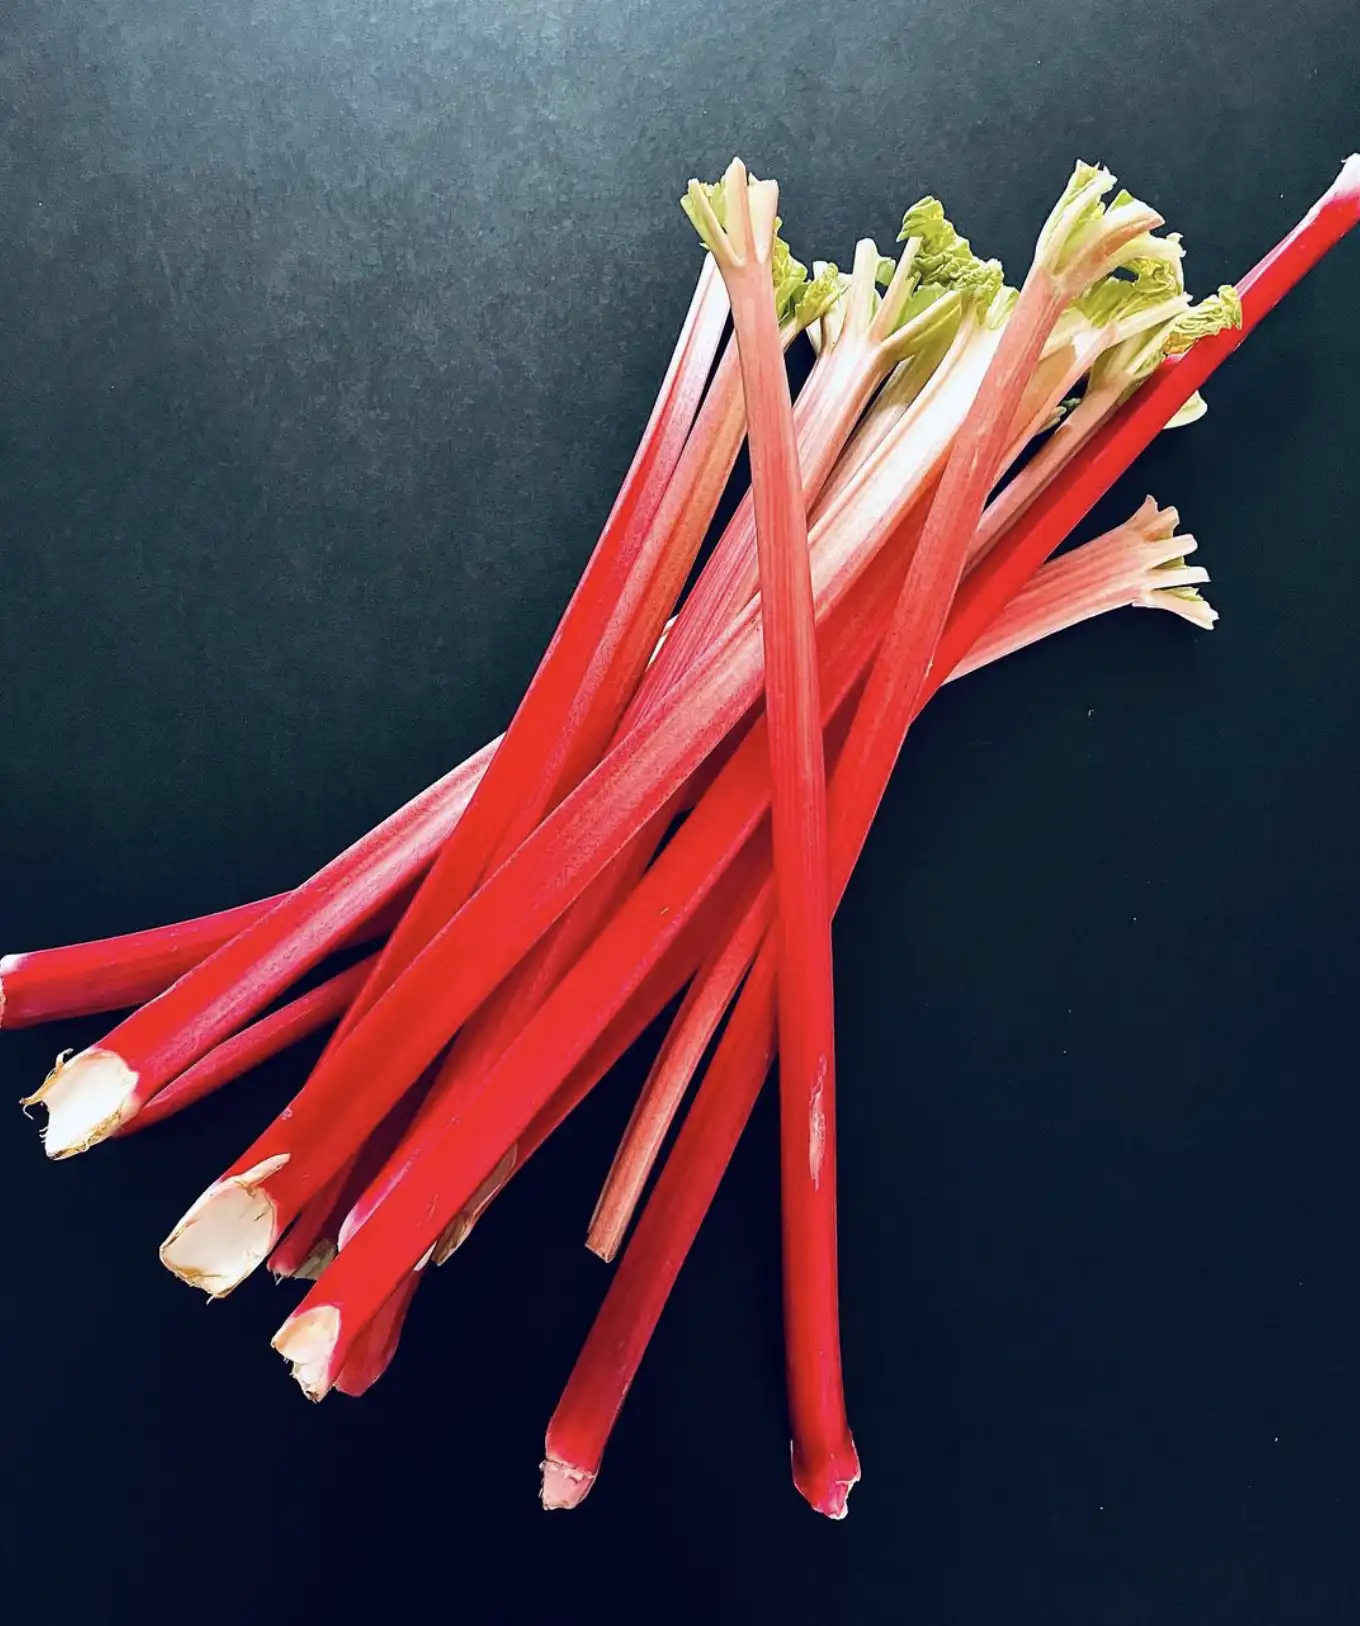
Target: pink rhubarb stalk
column 825, row 1463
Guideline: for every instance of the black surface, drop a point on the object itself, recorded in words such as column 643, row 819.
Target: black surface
column 327, row 330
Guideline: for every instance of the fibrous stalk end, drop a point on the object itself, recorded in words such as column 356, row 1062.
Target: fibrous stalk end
column 320, row 1255
column 86, row 1099
column 307, row 1342
column 826, row 1484
column 564, row 1486
column 228, row 1232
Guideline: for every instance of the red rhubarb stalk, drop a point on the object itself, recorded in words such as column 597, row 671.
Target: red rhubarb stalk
column 605, row 1369
column 372, row 1355
column 115, row 973
column 103, row 1087
column 289, row 1025
column 825, row 1463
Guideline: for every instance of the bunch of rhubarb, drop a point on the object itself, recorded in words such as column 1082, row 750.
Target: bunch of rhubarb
column 677, row 806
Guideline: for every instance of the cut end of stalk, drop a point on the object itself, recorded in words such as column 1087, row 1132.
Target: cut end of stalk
column 227, row 1233
column 826, row 1484
column 87, row 1100
column 605, row 1236
column 564, row 1486
column 307, row 1342
column 322, row 1252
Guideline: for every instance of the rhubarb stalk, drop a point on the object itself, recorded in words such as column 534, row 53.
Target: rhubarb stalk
column 114, row 973
column 98, row 1091
column 289, row 1025
column 825, row 1462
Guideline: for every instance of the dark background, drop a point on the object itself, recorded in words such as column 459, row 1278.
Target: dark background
column 327, row 329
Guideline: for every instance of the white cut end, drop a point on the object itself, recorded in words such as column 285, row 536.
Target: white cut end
column 86, row 1100
column 563, row 1485
column 227, row 1233
column 307, row 1341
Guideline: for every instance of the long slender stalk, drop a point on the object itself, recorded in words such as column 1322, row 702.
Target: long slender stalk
column 825, row 1462
column 94, row 1094
column 114, row 973
column 289, row 1025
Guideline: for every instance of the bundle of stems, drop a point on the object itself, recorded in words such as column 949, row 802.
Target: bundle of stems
column 680, row 799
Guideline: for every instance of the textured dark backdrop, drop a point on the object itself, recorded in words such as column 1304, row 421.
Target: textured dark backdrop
column 326, row 331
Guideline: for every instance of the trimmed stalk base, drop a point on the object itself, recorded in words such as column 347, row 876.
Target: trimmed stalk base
column 307, row 1342
column 563, row 1485
column 826, row 1485
column 86, row 1099
column 227, row 1233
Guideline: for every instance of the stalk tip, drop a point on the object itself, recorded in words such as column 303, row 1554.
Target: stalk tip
column 564, row 1486
column 86, row 1099
column 826, row 1484
column 307, row 1342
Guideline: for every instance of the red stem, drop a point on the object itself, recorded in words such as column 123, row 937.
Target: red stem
column 211, row 1001
column 287, row 1026
column 114, row 973
column 825, row 1465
